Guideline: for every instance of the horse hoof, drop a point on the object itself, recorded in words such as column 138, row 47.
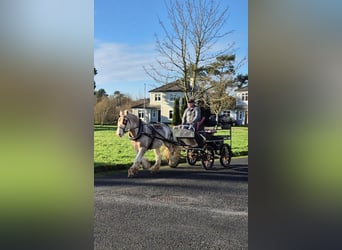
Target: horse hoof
column 132, row 173
column 154, row 171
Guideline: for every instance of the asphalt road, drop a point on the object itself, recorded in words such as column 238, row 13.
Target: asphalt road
column 183, row 208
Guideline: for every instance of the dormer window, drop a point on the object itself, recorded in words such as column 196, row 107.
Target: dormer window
column 157, row 97
column 141, row 114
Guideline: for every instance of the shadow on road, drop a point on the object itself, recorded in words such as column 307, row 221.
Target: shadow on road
column 235, row 173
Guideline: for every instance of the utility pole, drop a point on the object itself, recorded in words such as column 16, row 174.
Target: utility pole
column 144, row 96
column 145, row 113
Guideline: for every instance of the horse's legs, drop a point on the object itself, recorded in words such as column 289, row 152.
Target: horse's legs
column 132, row 171
column 144, row 162
column 158, row 157
column 173, row 154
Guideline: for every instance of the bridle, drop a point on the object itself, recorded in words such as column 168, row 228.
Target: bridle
column 125, row 121
column 127, row 128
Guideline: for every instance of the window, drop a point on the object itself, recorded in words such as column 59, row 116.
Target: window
column 173, row 97
column 244, row 96
column 157, row 97
column 153, row 113
column 141, row 114
column 170, row 114
column 226, row 113
column 240, row 115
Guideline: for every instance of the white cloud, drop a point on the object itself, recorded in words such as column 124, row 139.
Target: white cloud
column 120, row 63
column 120, row 66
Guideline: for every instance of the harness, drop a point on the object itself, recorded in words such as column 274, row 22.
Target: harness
column 141, row 132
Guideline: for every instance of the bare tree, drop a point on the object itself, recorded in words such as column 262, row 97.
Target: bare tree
column 101, row 110
column 195, row 26
column 107, row 108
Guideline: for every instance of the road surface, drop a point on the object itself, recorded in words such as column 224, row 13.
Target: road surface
column 183, row 208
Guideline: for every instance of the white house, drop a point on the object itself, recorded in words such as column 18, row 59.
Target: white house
column 240, row 113
column 159, row 107
column 241, row 106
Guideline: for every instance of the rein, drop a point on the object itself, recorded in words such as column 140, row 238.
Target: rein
column 141, row 132
column 152, row 136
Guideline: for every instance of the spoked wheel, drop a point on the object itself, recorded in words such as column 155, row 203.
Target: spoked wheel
column 208, row 157
column 192, row 156
column 225, row 155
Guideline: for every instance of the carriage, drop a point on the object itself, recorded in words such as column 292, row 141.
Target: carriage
column 204, row 145
column 199, row 145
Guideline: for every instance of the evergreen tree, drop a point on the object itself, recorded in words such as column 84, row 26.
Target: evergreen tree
column 176, row 119
column 95, row 73
column 183, row 106
column 241, row 80
column 100, row 94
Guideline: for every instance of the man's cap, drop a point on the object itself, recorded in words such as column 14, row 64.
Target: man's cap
column 191, row 101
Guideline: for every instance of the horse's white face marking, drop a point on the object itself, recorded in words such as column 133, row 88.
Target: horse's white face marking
column 122, row 122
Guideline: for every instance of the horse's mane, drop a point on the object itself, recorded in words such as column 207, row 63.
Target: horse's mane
column 133, row 117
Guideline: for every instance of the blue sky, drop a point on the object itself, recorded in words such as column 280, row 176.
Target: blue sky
column 124, row 41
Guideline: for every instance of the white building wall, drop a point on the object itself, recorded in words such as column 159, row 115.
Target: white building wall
column 166, row 103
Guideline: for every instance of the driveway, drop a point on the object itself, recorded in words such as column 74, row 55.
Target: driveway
column 182, row 208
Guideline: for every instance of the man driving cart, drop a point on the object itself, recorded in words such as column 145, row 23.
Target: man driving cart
column 192, row 115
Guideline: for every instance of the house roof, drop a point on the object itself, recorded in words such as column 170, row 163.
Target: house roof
column 140, row 104
column 169, row 87
column 242, row 89
column 242, row 107
column 146, row 106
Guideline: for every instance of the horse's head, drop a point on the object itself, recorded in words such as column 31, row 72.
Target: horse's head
column 126, row 122
column 123, row 123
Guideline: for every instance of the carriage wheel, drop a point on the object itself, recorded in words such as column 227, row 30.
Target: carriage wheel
column 225, row 155
column 208, row 157
column 191, row 156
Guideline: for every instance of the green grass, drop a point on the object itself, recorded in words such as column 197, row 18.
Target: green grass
column 239, row 140
column 113, row 151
